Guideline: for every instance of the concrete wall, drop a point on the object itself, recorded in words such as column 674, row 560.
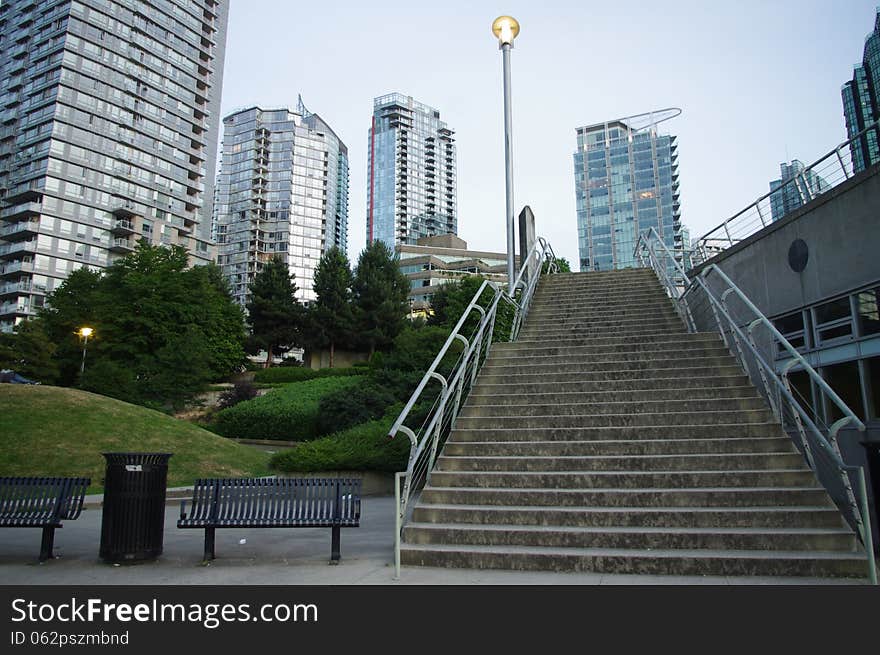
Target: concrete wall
column 842, row 231
column 341, row 358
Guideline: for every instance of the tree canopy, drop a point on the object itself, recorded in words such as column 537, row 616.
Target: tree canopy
column 331, row 319
column 379, row 297
column 161, row 330
column 275, row 315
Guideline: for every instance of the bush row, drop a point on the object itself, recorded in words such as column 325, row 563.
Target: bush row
column 364, row 447
column 289, row 413
column 300, row 374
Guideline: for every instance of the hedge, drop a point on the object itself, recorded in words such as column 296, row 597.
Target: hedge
column 365, row 447
column 300, row 374
column 289, row 413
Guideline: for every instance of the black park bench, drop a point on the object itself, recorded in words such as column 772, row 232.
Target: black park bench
column 273, row 503
column 41, row 503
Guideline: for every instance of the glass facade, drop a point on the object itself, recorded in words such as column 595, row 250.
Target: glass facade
column 861, row 105
column 794, row 188
column 282, row 189
column 411, row 172
column 626, row 181
column 107, row 135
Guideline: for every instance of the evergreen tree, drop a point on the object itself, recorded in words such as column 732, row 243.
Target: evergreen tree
column 379, row 295
column 331, row 314
column 275, row 315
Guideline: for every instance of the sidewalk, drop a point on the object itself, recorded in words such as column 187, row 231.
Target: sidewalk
column 276, row 556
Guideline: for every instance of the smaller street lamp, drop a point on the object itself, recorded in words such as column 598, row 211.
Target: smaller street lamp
column 85, row 333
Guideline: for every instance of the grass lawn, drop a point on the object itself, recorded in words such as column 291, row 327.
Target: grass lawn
column 55, row 431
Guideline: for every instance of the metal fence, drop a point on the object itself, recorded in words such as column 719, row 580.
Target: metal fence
column 711, row 302
column 835, row 167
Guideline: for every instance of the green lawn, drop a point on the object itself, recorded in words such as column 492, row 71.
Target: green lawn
column 55, row 431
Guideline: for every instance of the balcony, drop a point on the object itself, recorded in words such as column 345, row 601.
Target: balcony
column 27, row 191
column 20, row 230
column 16, row 267
column 16, row 309
column 123, row 208
column 124, row 227
column 122, row 245
column 16, row 288
column 13, row 250
column 22, row 211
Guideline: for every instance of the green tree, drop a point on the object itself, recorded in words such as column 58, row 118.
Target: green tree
column 275, row 315
column 450, row 300
column 29, row 352
column 331, row 319
column 161, row 329
column 379, row 297
column 561, row 262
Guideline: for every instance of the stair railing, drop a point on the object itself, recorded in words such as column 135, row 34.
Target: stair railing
column 455, row 369
column 705, row 309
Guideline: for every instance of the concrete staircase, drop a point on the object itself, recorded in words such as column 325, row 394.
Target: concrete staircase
column 608, row 439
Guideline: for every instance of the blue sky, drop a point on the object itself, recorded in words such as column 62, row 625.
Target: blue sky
column 758, row 83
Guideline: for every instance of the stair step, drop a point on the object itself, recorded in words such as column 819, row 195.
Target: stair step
column 699, row 352
column 535, row 386
column 640, row 376
column 706, row 497
column 643, row 537
column 497, row 397
column 663, row 336
column 617, row 432
column 670, row 517
column 724, row 462
column 680, row 346
column 625, row 479
column 610, row 447
column 644, row 419
column 638, row 561
column 530, row 407
column 611, row 366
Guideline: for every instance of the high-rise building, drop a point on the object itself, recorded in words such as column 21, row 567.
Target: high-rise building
column 108, row 133
column 626, row 181
column 411, row 177
column 282, row 189
column 795, row 187
column 861, row 102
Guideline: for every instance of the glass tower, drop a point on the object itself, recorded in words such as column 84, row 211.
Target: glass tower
column 861, row 105
column 108, row 134
column 626, row 181
column 794, row 188
column 411, row 185
column 282, row 189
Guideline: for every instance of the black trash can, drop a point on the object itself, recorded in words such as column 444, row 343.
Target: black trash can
column 133, row 521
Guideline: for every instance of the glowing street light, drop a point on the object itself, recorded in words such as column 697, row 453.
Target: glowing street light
column 85, row 333
column 505, row 29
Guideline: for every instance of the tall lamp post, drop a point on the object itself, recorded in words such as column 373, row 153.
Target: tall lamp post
column 85, row 333
column 505, row 28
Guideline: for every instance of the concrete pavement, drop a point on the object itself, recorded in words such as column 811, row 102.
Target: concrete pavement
column 278, row 556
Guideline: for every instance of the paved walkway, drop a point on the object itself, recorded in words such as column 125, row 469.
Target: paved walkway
column 276, row 556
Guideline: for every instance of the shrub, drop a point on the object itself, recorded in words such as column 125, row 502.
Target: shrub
column 289, row 413
column 300, row 374
column 242, row 391
column 365, row 447
column 345, row 408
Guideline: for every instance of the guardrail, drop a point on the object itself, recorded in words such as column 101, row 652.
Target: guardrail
column 455, row 369
column 707, row 309
column 835, row 167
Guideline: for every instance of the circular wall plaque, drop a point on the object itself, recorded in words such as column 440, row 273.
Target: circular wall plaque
column 798, row 255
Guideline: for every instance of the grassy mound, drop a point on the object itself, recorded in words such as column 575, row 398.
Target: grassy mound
column 54, row 431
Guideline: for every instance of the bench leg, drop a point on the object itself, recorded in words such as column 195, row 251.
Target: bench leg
column 334, row 545
column 209, row 544
column 47, row 543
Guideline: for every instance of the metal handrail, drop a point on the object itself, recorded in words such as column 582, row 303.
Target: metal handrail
column 475, row 350
column 732, row 230
column 745, row 342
